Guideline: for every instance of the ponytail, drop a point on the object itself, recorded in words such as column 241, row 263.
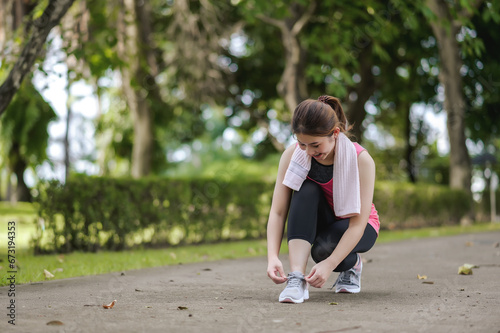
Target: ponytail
column 334, row 103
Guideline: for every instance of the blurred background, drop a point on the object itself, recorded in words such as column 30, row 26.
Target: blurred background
column 180, row 109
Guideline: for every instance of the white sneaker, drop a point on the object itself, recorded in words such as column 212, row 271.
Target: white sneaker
column 350, row 280
column 295, row 290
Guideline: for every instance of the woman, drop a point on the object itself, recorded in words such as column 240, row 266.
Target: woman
column 325, row 186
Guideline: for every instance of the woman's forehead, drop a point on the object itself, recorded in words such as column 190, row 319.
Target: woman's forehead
column 309, row 139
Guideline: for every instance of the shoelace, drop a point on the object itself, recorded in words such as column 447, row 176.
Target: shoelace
column 346, row 277
column 294, row 281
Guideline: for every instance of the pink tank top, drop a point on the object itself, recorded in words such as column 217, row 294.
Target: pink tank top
column 373, row 220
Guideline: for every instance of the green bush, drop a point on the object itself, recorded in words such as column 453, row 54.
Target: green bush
column 404, row 205
column 92, row 213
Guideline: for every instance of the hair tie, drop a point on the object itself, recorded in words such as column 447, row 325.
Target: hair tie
column 323, row 99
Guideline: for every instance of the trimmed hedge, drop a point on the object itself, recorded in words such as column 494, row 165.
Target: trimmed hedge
column 92, row 213
column 404, row 205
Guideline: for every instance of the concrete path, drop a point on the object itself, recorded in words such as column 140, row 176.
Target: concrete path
column 237, row 296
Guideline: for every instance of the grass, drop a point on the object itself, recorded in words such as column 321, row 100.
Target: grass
column 30, row 268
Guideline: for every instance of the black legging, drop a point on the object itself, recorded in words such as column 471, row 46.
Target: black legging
column 312, row 219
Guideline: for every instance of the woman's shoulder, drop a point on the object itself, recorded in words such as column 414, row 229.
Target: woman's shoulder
column 287, row 154
column 359, row 148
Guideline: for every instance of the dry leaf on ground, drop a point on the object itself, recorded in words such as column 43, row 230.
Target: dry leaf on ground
column 110, row 305
column 466, row 269
column 47, row 274
column 182, row 308
column 55, row 323
column 422, row 277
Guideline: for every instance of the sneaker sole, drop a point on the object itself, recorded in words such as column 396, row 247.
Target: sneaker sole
column 346, row 291
column 296, row 301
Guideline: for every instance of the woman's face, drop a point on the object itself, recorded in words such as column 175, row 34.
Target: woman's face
column 319, row 147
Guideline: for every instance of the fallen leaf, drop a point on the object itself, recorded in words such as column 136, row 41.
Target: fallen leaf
column 173, row 255
column 469, row 244
column 55, row 323
column 138, row 290
column 220, row 307
column 333, row 303
column 465, row 269
column 48, row 274
column 428, row 282
column 190, row 315
column 182, row 308
column 422, row 277
column 497, row 244
column 110, row 305
column 207, row 269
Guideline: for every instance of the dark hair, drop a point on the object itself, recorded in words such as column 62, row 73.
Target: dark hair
column 319, row 117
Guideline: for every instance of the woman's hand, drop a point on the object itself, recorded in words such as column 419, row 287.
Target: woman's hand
column 319, row 274
column 275, row 271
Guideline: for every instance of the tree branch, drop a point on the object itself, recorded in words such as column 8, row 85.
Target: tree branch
column 41, row 27
column 272, row 21
column 302, row 21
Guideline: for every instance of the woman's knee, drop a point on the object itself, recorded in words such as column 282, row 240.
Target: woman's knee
column 309, row 189
column 320, row 251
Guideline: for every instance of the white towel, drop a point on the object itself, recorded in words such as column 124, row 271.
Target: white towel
column 346, row 193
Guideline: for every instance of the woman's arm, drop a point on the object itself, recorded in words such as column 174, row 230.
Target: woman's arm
column 320, row 272
column 277, row 216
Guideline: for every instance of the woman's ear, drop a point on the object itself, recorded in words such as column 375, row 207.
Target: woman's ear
column 336, row 132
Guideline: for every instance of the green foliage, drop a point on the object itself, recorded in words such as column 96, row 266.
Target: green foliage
column 23, row 127
column 92, row 213
column 403, row 205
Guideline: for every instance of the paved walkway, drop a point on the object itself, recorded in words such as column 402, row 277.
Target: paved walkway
column 237, row 296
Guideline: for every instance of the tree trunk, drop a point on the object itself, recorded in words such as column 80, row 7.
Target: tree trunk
column 410, row 166
column 292, row 86
column 138, row 80
column 454, row 103
column 18, row 167
column 67, row 161
column 41, row 27
column 355, row 111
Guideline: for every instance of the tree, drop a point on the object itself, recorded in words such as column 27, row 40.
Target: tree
column 292, row 86
column 166, row 55
column 39, row 29
column 23, row 134
column 446, row 25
